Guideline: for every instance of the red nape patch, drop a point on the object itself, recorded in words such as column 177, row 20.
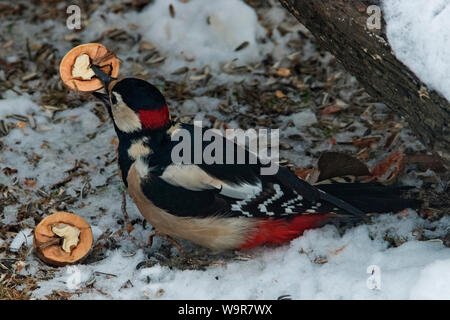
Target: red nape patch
column 279, row 230
column 154, row 119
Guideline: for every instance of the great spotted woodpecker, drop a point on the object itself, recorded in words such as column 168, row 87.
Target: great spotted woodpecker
column 220, row 206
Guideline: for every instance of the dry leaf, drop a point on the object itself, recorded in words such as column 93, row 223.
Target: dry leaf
column 364, row 142
column 284, row 72
column 336, row 252
column 338, row 164
column 242, row 46
column 333, row 141
column 302, row 173
column 115, row 141
column 331, row 109
column 129, row 228
column 21, row 124
column 172, row 10
column 279, row 94
column 426, row 161
column 390, row 168
column 363, row 154
column 30, row 182
column 390, row 140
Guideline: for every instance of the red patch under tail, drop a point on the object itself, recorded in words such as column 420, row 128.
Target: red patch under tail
column 279, row 230
column 154, row 119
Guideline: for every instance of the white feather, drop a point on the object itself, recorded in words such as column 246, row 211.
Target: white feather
column 243, row 191
column 192, row 177
column 189, row 176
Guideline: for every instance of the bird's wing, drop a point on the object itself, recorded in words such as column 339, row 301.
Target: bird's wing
column 234, row 190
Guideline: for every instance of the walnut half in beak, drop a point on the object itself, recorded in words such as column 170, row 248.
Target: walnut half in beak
column 76, row 67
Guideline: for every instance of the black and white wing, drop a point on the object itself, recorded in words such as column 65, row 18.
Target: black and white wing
column 202, row 190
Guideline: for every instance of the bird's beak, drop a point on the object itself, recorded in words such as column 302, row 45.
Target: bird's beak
column 104, row 78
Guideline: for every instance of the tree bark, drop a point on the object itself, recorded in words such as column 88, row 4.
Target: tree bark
column 340, row 26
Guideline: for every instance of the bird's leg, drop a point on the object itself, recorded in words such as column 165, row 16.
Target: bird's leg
column 169, row 239
column 127, row 224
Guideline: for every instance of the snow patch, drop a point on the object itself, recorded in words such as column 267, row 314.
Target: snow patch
column 201, row 31
column 23, row 237
column 434, row 281
column 418, row 33
column 15, row 104
column 304, row 118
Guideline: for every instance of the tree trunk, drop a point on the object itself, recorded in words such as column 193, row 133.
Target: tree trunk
column 340, row 26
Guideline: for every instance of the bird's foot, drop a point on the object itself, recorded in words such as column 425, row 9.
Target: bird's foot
column 169, row 239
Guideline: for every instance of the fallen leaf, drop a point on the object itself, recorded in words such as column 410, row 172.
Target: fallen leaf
column 390, row 140
column 320, row 260
column 21, row 124
column 364, row 142
column 338, row 164
column 114, row 141
column 284, row 72
column 390, row 168
column 8, row 44
column 426, row 161
column 172, row 10
column 331, row 109
column 242, row 46
column 129, row 228
column 30, row 182
column 302, row 173
column 336, row 252
column 333, row 141
column 279, row 94
column 363, row 154
column 8, row 171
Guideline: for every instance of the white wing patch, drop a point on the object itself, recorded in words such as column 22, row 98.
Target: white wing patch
column 243, row 191
column 192, row 177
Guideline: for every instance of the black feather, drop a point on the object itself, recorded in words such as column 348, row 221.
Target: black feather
column 311, row 193
column 371, row 197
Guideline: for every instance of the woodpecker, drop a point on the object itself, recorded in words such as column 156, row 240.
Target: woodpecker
column 220, row 206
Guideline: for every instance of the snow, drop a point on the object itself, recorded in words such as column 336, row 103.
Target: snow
column 23, row 237
column 434, row 281
column 304, row 118
column 207, row 33
column 15, row 104
column 413, row 270
column 417, row 32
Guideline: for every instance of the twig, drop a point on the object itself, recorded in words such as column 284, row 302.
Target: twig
column 105, row 274
column 68, row 179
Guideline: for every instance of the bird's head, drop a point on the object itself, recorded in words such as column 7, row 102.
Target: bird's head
column 134, row 104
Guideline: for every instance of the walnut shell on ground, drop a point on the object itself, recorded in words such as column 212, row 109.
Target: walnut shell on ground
column 48, row 246
column 99, row 55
